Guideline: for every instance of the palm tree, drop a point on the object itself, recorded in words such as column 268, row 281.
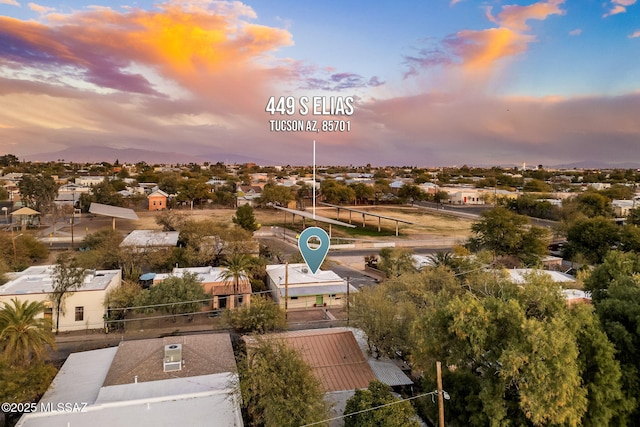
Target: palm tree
column 23, row 335
column 237, row 268
column 442, row 259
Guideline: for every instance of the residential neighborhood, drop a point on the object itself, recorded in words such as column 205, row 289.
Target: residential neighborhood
column 153, row 278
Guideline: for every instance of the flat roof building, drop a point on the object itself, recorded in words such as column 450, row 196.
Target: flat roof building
column 305, row 289
column 84, row 307
column 130, row 385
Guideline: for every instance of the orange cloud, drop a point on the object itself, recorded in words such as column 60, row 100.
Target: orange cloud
column 481, row 49
column 208, row 52
column 515, row 17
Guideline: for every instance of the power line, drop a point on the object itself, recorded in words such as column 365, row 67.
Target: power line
column 182, row 302
column 431, row 393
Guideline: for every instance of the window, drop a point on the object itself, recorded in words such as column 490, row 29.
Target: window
column 240, row 299
column 79, row 314
column 294, row 297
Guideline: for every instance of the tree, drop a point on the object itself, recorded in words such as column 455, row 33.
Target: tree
column 410, row 193
column 21, row 384
column 537, row 186
column 28, row 250
column 67, row 277
column 508, row 234
column 397, row 261
column 601, row 372
column 442, row 259
column 384, row 319
column 9, row 160
column 278, row 388
column 273, row 194
column 337, row 192
column 615, row 289
column 170, row 220
column 119, row 302
column 529, row 205
column 177, row 295
column 592, row 238
column 521, row 355
column 399, row 414
column 245, row 218
column 192, row 190
column 261, row 316
column 237, row 268
column 592, row 204
column 363, row 192
column 23, row 335
column 38, row 191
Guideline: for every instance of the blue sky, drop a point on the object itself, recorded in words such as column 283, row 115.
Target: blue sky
column 436, row 83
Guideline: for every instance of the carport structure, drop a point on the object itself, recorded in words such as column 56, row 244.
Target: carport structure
column 317, row 218
column 364, row 215
column 113, row 212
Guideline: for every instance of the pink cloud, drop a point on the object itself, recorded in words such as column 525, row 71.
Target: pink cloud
column 618, row 6
column 40, row 9
column 10, row 2
column 193, row 46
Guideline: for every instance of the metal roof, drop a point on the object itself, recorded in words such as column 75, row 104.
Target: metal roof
column 389, row 373
column 346, row 208
column 333, row 355
column 25, row 211
column 112, row 211
column 319, row 218
column 151, row 238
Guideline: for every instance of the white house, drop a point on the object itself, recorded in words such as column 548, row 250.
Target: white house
column 83, row 309
column 306, row 289
column 88, row 181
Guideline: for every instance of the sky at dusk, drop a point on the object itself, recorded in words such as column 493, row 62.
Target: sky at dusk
column 433, row 83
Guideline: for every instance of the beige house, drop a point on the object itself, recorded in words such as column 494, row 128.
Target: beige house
column 83, row 309
column 306, row 289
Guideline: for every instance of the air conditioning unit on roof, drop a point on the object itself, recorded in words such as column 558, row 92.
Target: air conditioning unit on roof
column 172, row 357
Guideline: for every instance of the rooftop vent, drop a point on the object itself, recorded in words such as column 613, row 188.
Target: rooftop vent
column 172, row 357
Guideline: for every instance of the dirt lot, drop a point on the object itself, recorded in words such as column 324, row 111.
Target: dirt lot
column 424, row 224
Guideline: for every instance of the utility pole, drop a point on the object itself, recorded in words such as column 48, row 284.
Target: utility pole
column 348, row 284
column 73, row 216
column 286, row 290
column 440, row 395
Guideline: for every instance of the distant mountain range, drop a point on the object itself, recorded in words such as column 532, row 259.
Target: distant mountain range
column 133, row 155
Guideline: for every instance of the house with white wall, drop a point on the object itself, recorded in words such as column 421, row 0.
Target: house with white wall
column 83, row 309
column 305, row 289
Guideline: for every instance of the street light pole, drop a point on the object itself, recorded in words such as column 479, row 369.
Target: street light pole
column 73, row 216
